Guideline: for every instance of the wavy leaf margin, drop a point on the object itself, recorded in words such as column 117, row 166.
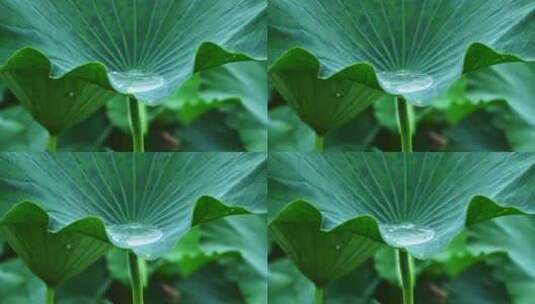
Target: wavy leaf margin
column 476, row 56
column 205, row 209
column 479, row 209
column 208, row 55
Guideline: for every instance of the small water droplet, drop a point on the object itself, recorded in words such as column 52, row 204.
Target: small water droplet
column 338, row 247
column 69, row 246
column 71, row 94
column 338, row 95
column 134, row 234
column 135, row 81
column 404, row 82
column 406, row 234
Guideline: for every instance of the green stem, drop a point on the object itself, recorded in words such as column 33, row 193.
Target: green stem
column 318, row 296
column 406, row 275
column 320, row 143
column 136, row 279
column 404, row 124
column 135, row 110
column 52, row 143
column 50, row 294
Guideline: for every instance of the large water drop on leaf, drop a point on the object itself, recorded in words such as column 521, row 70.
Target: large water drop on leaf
column 134, row 234
column 135, row 81
column 406, row 234
column 404, row 82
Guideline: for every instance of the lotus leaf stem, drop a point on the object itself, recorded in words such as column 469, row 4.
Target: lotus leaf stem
column 52, row 143
column 318, row 295
column 405, row 268
column 136, row 280
column 135, row 110
column 50, row 295
column 320, row 143
column 404, row 124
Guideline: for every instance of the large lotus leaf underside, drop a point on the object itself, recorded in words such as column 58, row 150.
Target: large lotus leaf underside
column 417, row 201
column 412, row 48
column 147, row 47
column 145, row 201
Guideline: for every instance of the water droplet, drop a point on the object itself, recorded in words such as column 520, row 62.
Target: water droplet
column 135, row 81
column 69, row 246
column 404, row 82
column 406, row 234
column 134, row 234
column 71, row 94
column 338, row 247
column 338, row 95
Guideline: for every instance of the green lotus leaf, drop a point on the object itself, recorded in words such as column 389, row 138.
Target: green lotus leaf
column 322, row 256
column 287, row 284
column 145, row 48
column 252, row 286
column 245, row 235
column 509, row 236
column 18, row 285
column 253, row 133
column 246, row 81
column 53, row 257
column 20, row 132
column 412, row 48
column 323, row 104
column 140, row 202
column 520, row 135
column 8, row 40
column 512, row 82
column 56, row 104
column 414, row 201
column 287, row 132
